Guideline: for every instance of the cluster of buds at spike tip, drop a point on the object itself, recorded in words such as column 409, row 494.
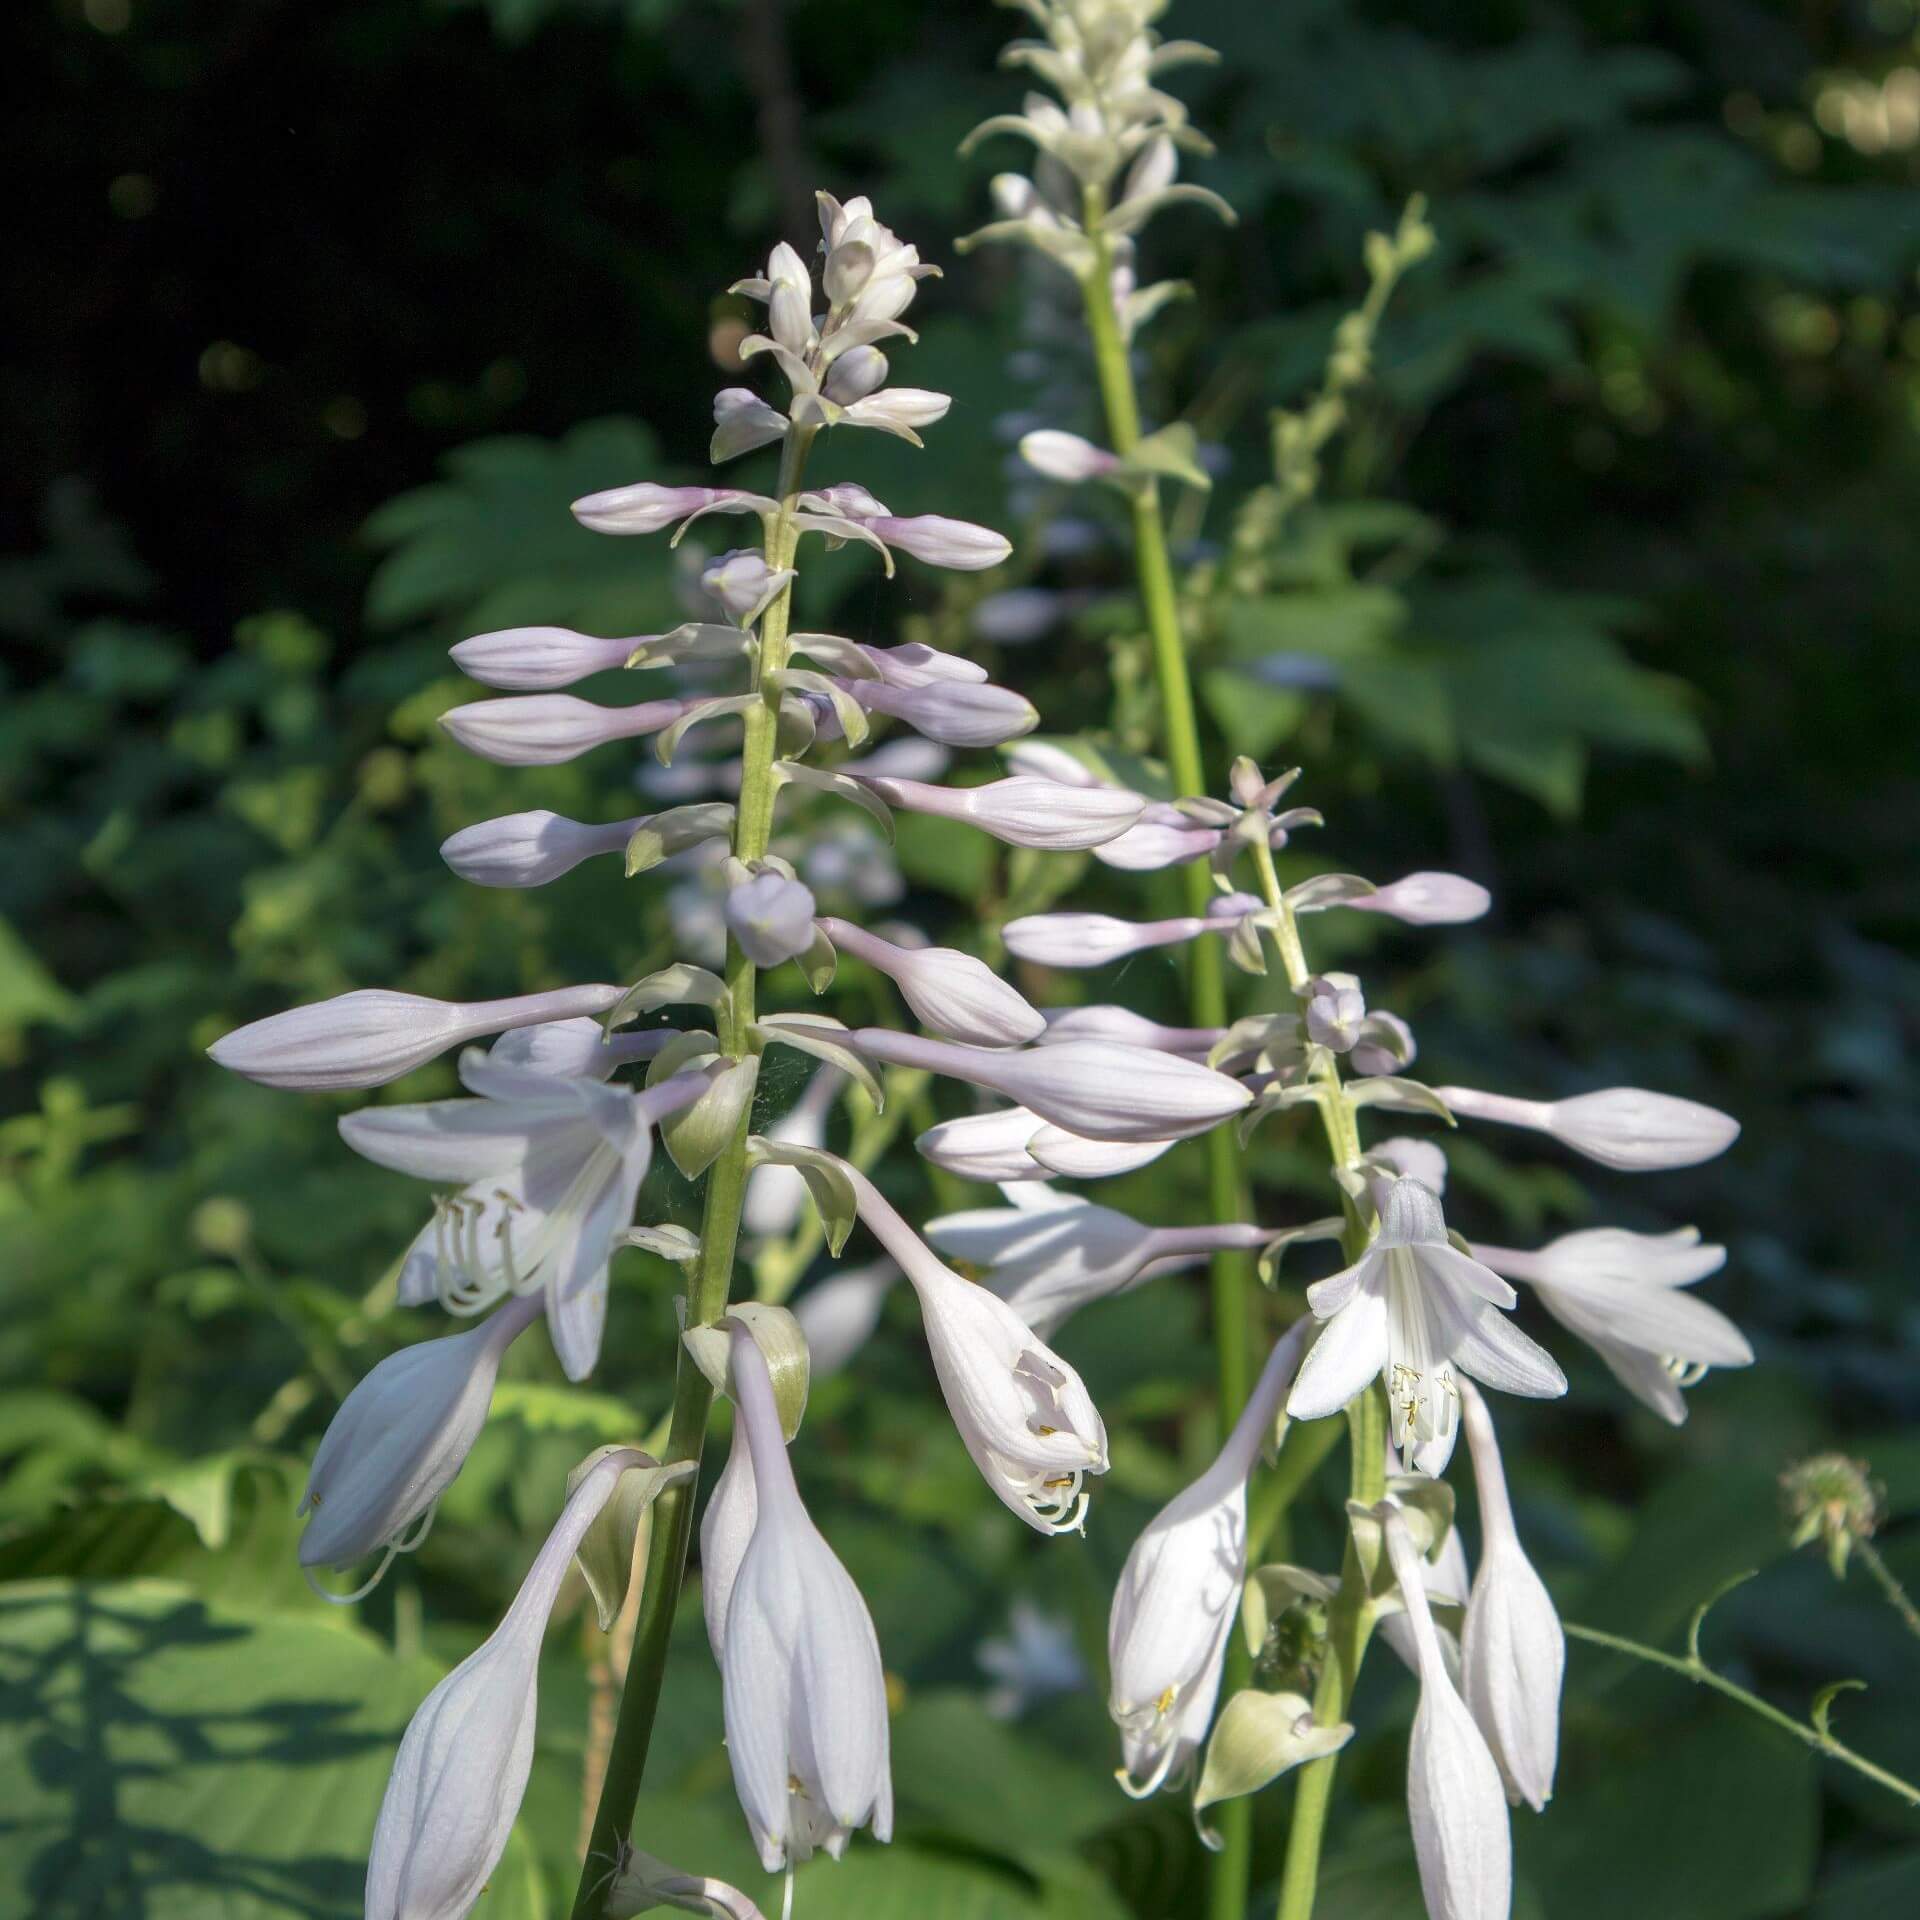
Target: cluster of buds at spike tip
column 1106, row 150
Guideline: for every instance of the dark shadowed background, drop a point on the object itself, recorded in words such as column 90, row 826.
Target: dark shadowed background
column 319, row 314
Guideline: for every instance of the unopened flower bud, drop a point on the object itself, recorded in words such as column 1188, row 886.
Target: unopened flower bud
column 744, row 584
column 772, row 918
column 529, row 849
column 545, row 729
column 536, row 659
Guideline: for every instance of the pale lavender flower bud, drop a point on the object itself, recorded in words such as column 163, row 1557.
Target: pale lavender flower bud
column 534, row 659
column 1455, row 1798
column 803, row 1690
column 462, row 1767
column 742, row 421
column 1179, row 1594
column 575, row 1048
column 1513, row 1653
column 545, row 729
column 789, row 300
column 399, row 1439
column 955, row 713
column 1129, row 1028
column 1335, row 1008
column 988, row 1147
column 900, row 410
column 1385, row 1045
column 958, row 996
column 367, row 1038
column 1065, row 456
column 1092, row 939
column 1023, row 811
column 918, row 665
column 529, row 849
column 744, row 584
column 1427, row 900
column 1021, row 1411
column 1074, row 1157
column 1623, row 1127
column 857, row 373
column 771, row 917
column 1416, row 1159
column 1157, row 844
column 646, row 508
column 940, row 542
column 1091, row 1087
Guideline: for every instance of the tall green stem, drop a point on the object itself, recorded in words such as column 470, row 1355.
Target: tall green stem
column 672, row 1517
column 1227, row 1195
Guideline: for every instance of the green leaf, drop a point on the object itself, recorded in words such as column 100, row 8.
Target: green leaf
column 28, row 992
column 181, row 1761
column 947, row 855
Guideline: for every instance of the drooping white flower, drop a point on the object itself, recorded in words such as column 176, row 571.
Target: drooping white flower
column 1022, row 811
column 1066, row 456
column 1050, row 1254
column 366, row 1038
column 538, row 659
column 744, row 585
column 1179, row 1593
column 1423, row 900
column 462, row 1767
column 1096, row 1088
column 1513, row 1654
column 529, row 849
column 1021, row 1411
column 548, row 1165
column 771, row 915
column 804, row 1693
column 1455, row 1799
column 1413, row 1309
column 1619, row 1291
column 545, row 729
column 726, row 1531
column 955, row 713
column 958, row 996
column 400, row 1438
column 647, row 508
column 1626, row 1128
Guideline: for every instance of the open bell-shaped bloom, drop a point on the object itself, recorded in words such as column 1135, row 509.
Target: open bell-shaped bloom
column 1022, row 1412
column 1626, row 1128
column 1179, row 1594
column 1620, row 1292
column 545, row 729
column 400, row 1438
column 462, row 1767
column 958, row 996
column 1022, row 811
column 1455, row 1798
column 804, row 1693
column 366, row 1038
column 1050, row 1254
column 1513, row 1653
column 1097, row 1088
column 1413, row 1309
column 529, row 849
column 548, row 1166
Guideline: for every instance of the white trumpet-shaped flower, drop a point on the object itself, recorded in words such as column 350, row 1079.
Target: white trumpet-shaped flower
column 958, row 996
column 1620, row 1292
column 1455, row 1799
column 1413, row 1309
column 1050, row 1254
column 400, row 1438
column 726, row 1531
column 529, row 849
column 1179, row 1593
column 1513, row 1653
column 1096, row 1088
column 804, row 1693
column 1626, row 1128
column 367, row 1038
column 548, row 1166
column 1022, row 1412
column 462, row 1768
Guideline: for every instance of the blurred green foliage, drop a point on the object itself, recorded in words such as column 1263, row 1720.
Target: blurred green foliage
column 323, row 316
